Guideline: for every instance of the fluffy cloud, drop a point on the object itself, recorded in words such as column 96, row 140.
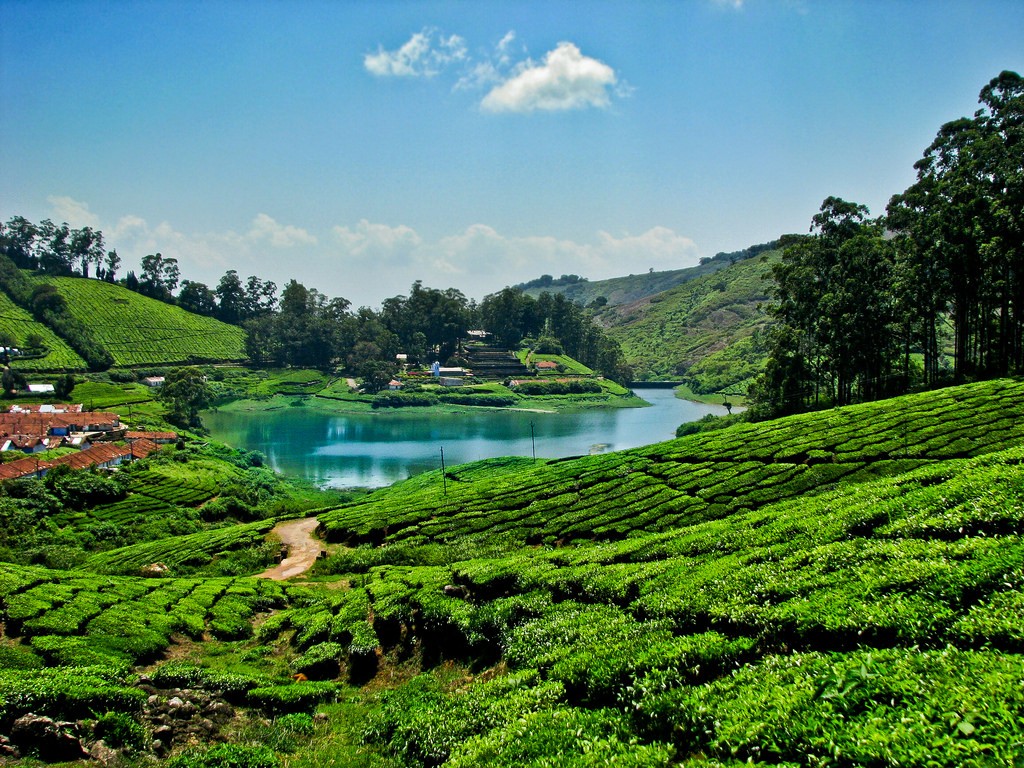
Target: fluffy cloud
column 368, row 261
column 566, row 80
column 378, row 242
column 425, row 54
column 74, row 212
column 279, row 235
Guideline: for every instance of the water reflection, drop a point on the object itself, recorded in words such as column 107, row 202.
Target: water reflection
column 378, row 449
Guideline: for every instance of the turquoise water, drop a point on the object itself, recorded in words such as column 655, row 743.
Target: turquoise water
column 372, row 450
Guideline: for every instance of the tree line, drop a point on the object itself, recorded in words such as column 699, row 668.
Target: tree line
column 301, row 327
column 932, row 290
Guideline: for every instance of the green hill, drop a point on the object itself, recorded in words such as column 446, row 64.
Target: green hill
column 840, row 588
column 701, row 331
column 21, row 325
column 138, row 330
column 633, row 288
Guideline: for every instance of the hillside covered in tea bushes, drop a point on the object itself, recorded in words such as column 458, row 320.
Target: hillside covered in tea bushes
column 839, row 588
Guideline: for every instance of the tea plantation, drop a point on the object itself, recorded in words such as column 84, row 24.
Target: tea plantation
column 842, row 588
column 138, row 330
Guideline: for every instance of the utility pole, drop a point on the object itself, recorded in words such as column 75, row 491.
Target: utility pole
column 444, row 479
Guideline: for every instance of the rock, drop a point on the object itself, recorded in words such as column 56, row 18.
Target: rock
column 320, row 717
column 220, row 710
column 104, row 754
column 7, row 749
column 153, row 700
column 175, row 702
column 53, row 741
column 154, row 569
column 455, row 590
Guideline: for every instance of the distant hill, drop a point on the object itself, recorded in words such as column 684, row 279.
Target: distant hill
column 702, row 330
column 138, row 330
column 632, row 288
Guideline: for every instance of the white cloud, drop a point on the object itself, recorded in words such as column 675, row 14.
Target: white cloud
column 281, row 235
column 378, row 242
column 566, row 80
column 425, row 54
column 368, row 261
column 74, row 212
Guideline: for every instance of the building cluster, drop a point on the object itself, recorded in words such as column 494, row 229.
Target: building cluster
column 99, row 437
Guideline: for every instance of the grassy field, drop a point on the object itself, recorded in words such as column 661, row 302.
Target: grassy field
column 841, row 588
column 138, row 330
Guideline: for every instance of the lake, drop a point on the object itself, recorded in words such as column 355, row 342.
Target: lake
column 372, row 450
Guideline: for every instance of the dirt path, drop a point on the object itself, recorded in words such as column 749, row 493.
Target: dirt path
column 303, row 549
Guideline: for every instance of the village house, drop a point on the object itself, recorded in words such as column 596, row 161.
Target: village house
column 103, row 456
column 35, row 429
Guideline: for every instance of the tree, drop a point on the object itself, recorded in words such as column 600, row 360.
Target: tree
column 11, row 381
column 198, row 298
column 961, row 235
column 64, row 386
column 159, row 277
column 113, row 263
column 834, row 306
column 18, row 242
column 86, row 247
column 54, row 250
column 185, row 392
column 230, row 298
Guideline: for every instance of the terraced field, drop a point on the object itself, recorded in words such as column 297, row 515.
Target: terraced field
column 690, row 480
column 138, row 330
column 20, row 324
column 836, row 589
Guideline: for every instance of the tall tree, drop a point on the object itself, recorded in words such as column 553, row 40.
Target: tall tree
column 961, row 231
column 159, row 276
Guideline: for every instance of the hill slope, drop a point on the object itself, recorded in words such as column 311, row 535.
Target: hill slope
column 633, row 288
column 20, row 324
column 138, row 330
column 834, row 589
column 701, row 330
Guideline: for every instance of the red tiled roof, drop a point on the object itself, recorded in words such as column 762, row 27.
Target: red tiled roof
column 41, row 423
column 151, row 435
column 142, row 447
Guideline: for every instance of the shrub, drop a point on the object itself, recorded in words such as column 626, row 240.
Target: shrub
column 121, row 731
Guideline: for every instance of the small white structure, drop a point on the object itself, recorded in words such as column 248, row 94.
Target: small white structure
column 41, row 389
column 153, row 381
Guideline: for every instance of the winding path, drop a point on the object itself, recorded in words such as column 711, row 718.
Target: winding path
column 303, row 549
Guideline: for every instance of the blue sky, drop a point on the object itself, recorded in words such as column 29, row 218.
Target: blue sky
column 358, row 146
